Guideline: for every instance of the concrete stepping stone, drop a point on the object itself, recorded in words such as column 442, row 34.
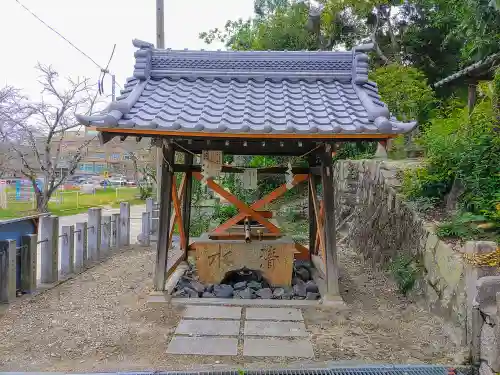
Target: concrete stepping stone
column 203, row 346
column 269, row 313
column 277, row 329
column 277, row 348
column 212, row 312
column 208, row 327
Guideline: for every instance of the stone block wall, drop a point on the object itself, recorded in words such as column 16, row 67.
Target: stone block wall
column 383, row 226
column 487, row 312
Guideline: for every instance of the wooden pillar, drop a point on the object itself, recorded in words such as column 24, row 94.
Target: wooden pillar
column 186, row 203
column 167, row 177
column 332, row 272
column 471, row 97
column 313, row 227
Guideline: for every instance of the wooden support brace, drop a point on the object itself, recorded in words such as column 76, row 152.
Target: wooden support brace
column 246, row 210
column 318, row 248
column 320, row 238
column 178, row 213
column 297, row 179
column 174, row 217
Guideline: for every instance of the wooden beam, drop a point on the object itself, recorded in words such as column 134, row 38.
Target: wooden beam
column 167, row 177
column 261, row 171
column 258, row 136
column 303, row 252
column 312, row 216
column 317, row 215
column 188, row 196
column 330, row 230
column 105, row 137
column 320, row 250
column 297, row 179
column 174, row 217
column 247, row 210
column 178, row 213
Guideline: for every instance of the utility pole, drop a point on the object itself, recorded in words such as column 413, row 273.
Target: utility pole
column 160, row 43
column 113, row 88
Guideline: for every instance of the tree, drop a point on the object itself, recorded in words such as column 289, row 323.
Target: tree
column 35, row 131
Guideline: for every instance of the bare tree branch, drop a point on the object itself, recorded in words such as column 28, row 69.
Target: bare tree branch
column 41, row 128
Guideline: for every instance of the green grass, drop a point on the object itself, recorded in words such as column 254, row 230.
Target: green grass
column 72, row 205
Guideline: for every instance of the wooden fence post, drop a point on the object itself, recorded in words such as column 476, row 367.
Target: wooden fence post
column 7, row 270
column 115, row 231
column 80, row 246
column 146, row 232
column 124, row 224
column 105, row 235
column 29, row 245
column 94, row 230
column 67, row 249
column 49, row 228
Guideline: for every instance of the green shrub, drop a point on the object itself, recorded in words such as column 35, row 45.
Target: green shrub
column 405, row 272
column 466, row 148
column 224, row 212
column 145, row 190
column 405, row 91
column 355, row 150
column 462, row 225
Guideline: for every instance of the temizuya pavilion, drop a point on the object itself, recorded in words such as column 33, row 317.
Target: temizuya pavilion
column 249, row 103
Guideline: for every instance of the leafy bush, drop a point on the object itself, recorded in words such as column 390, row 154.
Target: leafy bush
column 405, row 91
column 462, row 225
column 405, row 271
column 465, row 148
column 356, row 150
column 145, row 190
column 224, row 212
column 199, row 223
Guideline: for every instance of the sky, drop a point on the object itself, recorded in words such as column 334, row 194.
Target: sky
column 95, row 26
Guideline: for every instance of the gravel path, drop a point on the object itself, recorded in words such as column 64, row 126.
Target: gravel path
column 100, row 321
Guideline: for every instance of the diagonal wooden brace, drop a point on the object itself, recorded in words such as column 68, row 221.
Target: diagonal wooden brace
column 174, row 217
column 178, row 215
column 297, row 179
column 247, row 210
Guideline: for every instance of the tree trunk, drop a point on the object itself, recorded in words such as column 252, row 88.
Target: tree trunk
column 136, row 169
column 42, row 202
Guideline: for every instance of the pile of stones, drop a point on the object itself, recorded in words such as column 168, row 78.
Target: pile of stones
column 303, row 287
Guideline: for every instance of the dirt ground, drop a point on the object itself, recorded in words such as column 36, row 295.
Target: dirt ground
column 100, row 321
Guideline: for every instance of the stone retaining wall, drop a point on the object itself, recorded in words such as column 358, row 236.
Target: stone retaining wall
column 486, row 348
column 383, row 227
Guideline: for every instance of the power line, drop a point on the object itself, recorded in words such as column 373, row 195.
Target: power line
column 66, row 39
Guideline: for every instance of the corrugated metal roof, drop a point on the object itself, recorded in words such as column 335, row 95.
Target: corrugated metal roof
column 250, row 92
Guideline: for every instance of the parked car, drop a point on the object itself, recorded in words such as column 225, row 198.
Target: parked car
column 131, row 183
column 118, row 181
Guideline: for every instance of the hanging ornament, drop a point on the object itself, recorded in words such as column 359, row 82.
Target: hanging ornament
column 250, row 179
column 211, row 164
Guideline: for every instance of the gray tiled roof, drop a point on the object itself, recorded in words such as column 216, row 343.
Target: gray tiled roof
column 252, row 91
